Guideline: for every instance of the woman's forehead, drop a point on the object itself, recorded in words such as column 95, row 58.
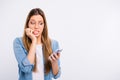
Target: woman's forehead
column 36, row 17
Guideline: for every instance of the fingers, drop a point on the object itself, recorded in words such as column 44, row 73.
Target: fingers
column 53, row 57
column 58, row 54
column 28, row 30
column 29, row 33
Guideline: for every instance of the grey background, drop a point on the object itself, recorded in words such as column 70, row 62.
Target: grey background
column 87, row 30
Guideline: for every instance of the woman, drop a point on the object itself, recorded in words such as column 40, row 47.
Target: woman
column 35, row 51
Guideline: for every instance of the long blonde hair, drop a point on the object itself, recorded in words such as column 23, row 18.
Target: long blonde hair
column 47, row 50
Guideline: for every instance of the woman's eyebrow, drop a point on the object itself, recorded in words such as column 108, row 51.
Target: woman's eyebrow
column 40, row 21
column 32, row 20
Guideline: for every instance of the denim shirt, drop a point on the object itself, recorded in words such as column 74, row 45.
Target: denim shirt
column 24, row 65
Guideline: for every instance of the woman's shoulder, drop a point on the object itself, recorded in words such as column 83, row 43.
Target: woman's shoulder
column 54, row 44
column 17, row 40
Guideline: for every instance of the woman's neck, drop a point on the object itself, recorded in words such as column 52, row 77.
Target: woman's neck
column 39, row 40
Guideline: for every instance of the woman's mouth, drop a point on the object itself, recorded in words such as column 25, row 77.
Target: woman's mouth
column 35, row 32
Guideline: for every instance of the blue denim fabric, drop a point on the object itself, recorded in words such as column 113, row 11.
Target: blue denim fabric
column 25, row 67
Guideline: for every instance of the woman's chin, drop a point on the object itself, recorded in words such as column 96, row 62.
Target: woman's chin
column 36, row 35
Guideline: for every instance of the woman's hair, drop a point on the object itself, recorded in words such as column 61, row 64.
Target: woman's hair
column 47, row 50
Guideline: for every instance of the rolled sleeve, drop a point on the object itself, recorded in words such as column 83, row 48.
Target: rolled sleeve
column 26, row 66
column 58, row 74
column 21, row 57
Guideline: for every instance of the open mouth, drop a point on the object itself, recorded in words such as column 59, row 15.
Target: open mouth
column 35, row 32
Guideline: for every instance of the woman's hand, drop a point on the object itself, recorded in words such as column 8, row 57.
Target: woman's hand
column 54, row 62
column 54, row 57
column 29, row 33
column 31, row 53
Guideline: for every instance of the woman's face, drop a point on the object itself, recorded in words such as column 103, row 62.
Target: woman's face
column 36, row 23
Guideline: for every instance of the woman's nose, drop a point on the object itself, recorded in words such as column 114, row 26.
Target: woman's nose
column 36, row 26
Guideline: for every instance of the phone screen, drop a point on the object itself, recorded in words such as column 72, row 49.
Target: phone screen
column 58, row 50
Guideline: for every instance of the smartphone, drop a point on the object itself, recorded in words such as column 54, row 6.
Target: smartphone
column 58, row 51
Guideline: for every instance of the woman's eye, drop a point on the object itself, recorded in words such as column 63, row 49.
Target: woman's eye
column 32, row 22
column 41, row 23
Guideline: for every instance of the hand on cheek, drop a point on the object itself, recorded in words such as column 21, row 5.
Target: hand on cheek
column 29, row 33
